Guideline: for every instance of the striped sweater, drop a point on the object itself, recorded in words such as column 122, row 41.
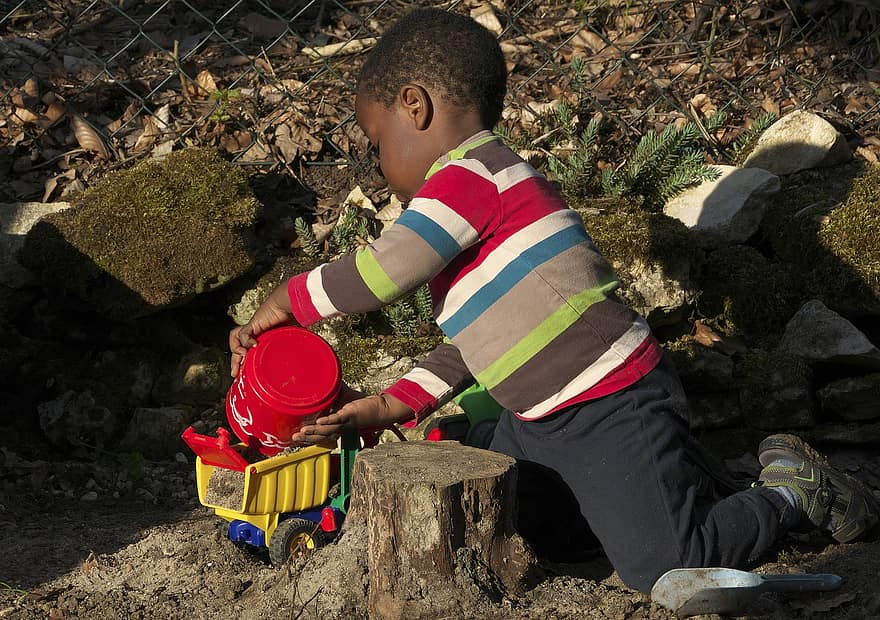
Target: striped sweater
column 524, row 298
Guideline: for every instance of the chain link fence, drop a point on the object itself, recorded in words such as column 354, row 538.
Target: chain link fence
column 91, row 85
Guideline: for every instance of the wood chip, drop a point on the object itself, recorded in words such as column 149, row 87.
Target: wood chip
column 354, row 46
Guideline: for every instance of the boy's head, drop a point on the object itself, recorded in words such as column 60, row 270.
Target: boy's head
column 450, row 53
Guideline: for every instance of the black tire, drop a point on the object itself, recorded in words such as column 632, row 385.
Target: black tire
column 294, row 538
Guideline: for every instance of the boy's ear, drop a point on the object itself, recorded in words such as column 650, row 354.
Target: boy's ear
column 417, row 105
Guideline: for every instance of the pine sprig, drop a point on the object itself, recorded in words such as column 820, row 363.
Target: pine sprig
column 661, row 167
column 307, row 240
column 576, row 171
column 402, row 317
column 423, row 304
column 746, row 141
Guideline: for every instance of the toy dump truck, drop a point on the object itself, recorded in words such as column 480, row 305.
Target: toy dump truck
column 282, row 502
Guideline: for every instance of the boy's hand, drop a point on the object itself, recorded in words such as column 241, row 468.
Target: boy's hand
column 376, row 411
column 273, row 312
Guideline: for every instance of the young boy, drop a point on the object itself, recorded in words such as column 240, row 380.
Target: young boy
column 529, row 309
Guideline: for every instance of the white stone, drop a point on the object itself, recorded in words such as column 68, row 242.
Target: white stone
column 798, row 141
column 16, row 219
column 728, row 209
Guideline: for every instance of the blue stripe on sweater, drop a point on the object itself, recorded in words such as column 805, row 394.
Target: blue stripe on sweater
column 508, row 277
column 435, row 235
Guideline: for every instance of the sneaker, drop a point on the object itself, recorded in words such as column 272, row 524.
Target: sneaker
column 832, row 500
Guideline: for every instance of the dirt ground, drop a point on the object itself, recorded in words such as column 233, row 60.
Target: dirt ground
column 80, row 541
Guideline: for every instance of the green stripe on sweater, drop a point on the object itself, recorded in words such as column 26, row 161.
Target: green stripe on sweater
column 375, row 277
column 543, row 334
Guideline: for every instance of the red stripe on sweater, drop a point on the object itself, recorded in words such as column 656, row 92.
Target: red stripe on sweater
column 301, row 305
column 413, row 396
column 638, row 364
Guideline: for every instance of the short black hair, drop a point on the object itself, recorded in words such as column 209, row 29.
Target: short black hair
column 446, row 51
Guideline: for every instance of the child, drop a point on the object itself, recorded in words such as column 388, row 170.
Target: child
column 529, row 309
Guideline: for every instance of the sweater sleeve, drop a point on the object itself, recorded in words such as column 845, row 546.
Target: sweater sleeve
column 433, row 382
column 440, row 222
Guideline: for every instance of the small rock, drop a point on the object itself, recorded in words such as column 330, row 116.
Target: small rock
column 819, row 334
column 798, row 141
column 727, row 210
column 90, row 496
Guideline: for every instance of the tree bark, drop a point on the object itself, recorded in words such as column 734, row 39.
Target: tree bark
column 440, row 519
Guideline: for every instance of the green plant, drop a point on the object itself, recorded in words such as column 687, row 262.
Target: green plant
column 12, row 592
column 662, row 166
column 351, row 230
column 575, row 169
column 307, row 240
column 746, row 141
column 223, row 97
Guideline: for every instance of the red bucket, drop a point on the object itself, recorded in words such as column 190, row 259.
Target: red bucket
column 288, row 379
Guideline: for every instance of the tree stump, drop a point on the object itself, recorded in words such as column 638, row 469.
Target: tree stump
column 440, row 519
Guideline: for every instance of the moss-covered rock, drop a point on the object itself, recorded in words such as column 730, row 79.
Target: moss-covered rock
column 654, row 256
column 851, row 233
column 745, row 294
column 149, row 237
column 826, row 224
column 775, row 391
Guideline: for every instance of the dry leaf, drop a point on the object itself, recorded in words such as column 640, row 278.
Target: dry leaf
column 705, row 334
column 854, row 105
column 769, row 105
column 54, row 113
column 236, row 142
column 31, row 88
column 357, row 198
column 703, row 104
column 868, row 154
column 148, row 136
column 162, row 149
column 52, row 183
column 388, row 214
column 484, row 15
column 322, row 230
column 685, row 68
column 205, row 84
column 163, row 118
column 87, row 137
column 25, row 116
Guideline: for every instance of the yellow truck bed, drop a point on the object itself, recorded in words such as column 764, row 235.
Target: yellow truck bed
column 279, row 484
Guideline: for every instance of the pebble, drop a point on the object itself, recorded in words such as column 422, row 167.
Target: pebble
column 90, row 496
column 181, row 458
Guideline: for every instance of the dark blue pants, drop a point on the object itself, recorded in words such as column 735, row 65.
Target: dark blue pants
column 625, row 459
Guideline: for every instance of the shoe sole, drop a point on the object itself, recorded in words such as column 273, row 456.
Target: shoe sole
column 784, row 447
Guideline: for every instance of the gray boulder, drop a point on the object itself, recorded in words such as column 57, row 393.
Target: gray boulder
column 819, row 334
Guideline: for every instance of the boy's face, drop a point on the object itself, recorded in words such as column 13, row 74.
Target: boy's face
column 406, row 151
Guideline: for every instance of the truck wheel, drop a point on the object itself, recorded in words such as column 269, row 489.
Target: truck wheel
column 294, row 538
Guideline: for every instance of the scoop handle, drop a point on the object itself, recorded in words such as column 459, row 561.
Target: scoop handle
column 806, row 582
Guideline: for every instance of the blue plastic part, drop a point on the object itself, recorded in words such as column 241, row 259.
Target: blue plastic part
column 242, row 531
column 310, row 515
